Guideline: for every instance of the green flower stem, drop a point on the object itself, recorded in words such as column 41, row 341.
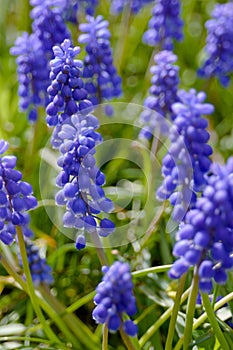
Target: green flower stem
column 175, row 311
column 80, row 302
column 150, row 332
column 146, row 312
column 70, row 320
column 216, row 289
column 10, row 269
column 214, row 323
column 151, row 227
column 190, row 311
column 51, row 335
column 220, row 303
column 50, row 311
column 129, row 345
column 105, row 337
column 99, row 249
column 155, row 269
column 148, row 74
column 204, row 317
column 150, row 168
column 122, row 41
column 85, row 336
column 62, row 324
column 31, row 149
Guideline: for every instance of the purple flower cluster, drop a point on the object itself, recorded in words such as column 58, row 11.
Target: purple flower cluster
column 100, row 75
column 163, row 92
column 219, row 44
column 80, row 179
column 34, row 52
column 187, row 161
column 33, row 75
column 15, row 198
column 40, row 271
column 165, row 24
column 118, row 6
column 71, row 9
column 48, row 23
column 67, row 92
column 114, row 297
column 206, row 237
column 76, row 138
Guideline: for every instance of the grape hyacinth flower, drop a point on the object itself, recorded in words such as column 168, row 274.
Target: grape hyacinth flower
column 118, row 6
column 89, row 6
column 219, row 44
column 71, row 9
column 205, row 239
column 34, row 52
column 165, row 24
column 40, row 271
column 163, row 93
column 16, row 198
column 187, row 161
column 48, row 23
column 114, row 298
column 101, row 80
column 81, row 180
column 75, row 137
column 33, row 75
column 67, row 92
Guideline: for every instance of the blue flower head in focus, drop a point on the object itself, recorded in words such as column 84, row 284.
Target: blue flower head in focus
column 205, row 239
column 114, row 298
column 219, row 44
column 16, row 198
column 81, row 180
column 76, row 138
column 165, row 24
column 67, row 92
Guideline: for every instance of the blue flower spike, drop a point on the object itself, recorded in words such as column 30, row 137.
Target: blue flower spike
column 114, row 298
column 219, row 45
column 16, row 198
column 205, row 238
